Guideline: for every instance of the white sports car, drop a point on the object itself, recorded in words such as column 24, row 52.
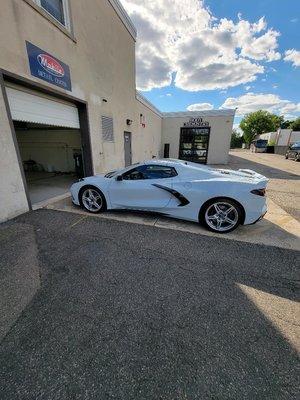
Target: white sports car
column 219, row 199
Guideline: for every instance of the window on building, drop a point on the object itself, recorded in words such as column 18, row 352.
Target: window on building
column 58, row 9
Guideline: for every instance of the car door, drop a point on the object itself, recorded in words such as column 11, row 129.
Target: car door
column 140, row 188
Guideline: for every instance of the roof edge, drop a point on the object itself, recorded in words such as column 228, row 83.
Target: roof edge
column 124, row 17
column 148, row 104
column 201, row 113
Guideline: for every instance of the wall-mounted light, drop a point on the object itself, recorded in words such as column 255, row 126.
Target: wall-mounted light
column 104, row 100
column 143, row 120
column 129, row 122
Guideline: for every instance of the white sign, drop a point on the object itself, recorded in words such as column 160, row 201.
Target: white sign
column 196, row 122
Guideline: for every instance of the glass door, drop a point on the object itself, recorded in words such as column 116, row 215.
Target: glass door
column 194, row 144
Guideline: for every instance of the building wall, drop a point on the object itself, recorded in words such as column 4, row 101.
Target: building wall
column 295, row 137
column 283, row 137
column 147, row 140
column 13, row 200
column 220, row 135
column 52, row 149
column 101, row 61
column 101, row 56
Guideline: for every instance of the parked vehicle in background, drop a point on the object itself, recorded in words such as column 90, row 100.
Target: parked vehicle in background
column 293, row 152
column 219, row 199
column 259, row 146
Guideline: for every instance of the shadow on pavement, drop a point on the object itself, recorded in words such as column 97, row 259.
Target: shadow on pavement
column 134, row 312
column 236, row 162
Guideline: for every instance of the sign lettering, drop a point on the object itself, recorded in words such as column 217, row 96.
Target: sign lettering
column 44, row 66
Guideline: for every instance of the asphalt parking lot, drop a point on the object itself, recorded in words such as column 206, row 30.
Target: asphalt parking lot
column 284, row 175
column 101, row 309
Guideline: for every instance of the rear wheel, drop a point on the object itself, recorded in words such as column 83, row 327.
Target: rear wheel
column 92, row 200
column 221, row 215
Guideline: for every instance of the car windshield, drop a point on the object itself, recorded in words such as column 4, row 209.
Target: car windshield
column 119, row 171
column 110, row 174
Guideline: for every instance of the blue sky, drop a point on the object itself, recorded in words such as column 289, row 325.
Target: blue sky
column 193, row 52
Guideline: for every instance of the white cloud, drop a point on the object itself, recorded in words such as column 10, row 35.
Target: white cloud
column 200, row 107
column 165, row 95
column 183, row 38
column 257, row 47
column 293, row 56
column 247, row 88
column 259, row 101
column 237, row 128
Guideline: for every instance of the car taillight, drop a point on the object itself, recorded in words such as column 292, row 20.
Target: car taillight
column 259, row 192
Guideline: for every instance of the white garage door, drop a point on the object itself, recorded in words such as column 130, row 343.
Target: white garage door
column 30, row 107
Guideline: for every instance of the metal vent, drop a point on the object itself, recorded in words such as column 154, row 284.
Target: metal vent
column 107, row 129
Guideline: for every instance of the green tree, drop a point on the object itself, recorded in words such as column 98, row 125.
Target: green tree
column 259, row 122
column 286, row 124
column 236, row 140
column 295, row 125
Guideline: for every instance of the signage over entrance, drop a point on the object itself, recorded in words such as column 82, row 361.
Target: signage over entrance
column 196, row 122
column 44, row 66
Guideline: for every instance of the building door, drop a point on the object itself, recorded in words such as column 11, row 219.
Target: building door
column 50, row 142
column 127, row 149
column 167, row 150
column 194, row 144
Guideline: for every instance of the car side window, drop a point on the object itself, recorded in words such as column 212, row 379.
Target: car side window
column 159, row 172
column 134, row 174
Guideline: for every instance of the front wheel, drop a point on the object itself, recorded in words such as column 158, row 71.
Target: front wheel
column 221, row 215
column 92, row 200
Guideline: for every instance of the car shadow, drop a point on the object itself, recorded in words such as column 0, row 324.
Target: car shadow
column 134, row 312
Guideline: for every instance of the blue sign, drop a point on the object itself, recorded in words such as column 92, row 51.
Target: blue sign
column 44, row 66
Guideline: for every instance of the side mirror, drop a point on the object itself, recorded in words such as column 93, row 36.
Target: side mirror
column 119, row 178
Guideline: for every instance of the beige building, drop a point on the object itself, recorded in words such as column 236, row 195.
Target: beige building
column 202, row 137
column 68, row 102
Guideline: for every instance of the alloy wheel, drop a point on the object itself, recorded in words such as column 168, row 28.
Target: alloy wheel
column 92, row 200
column 221, row 216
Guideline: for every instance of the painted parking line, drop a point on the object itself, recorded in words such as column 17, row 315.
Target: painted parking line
column 278, row 228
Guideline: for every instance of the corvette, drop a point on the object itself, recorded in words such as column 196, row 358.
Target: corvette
column 219, row 199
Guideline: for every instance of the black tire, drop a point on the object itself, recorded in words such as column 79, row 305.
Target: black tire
column 237, row 215
column 297, row 158
column 97, row 197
